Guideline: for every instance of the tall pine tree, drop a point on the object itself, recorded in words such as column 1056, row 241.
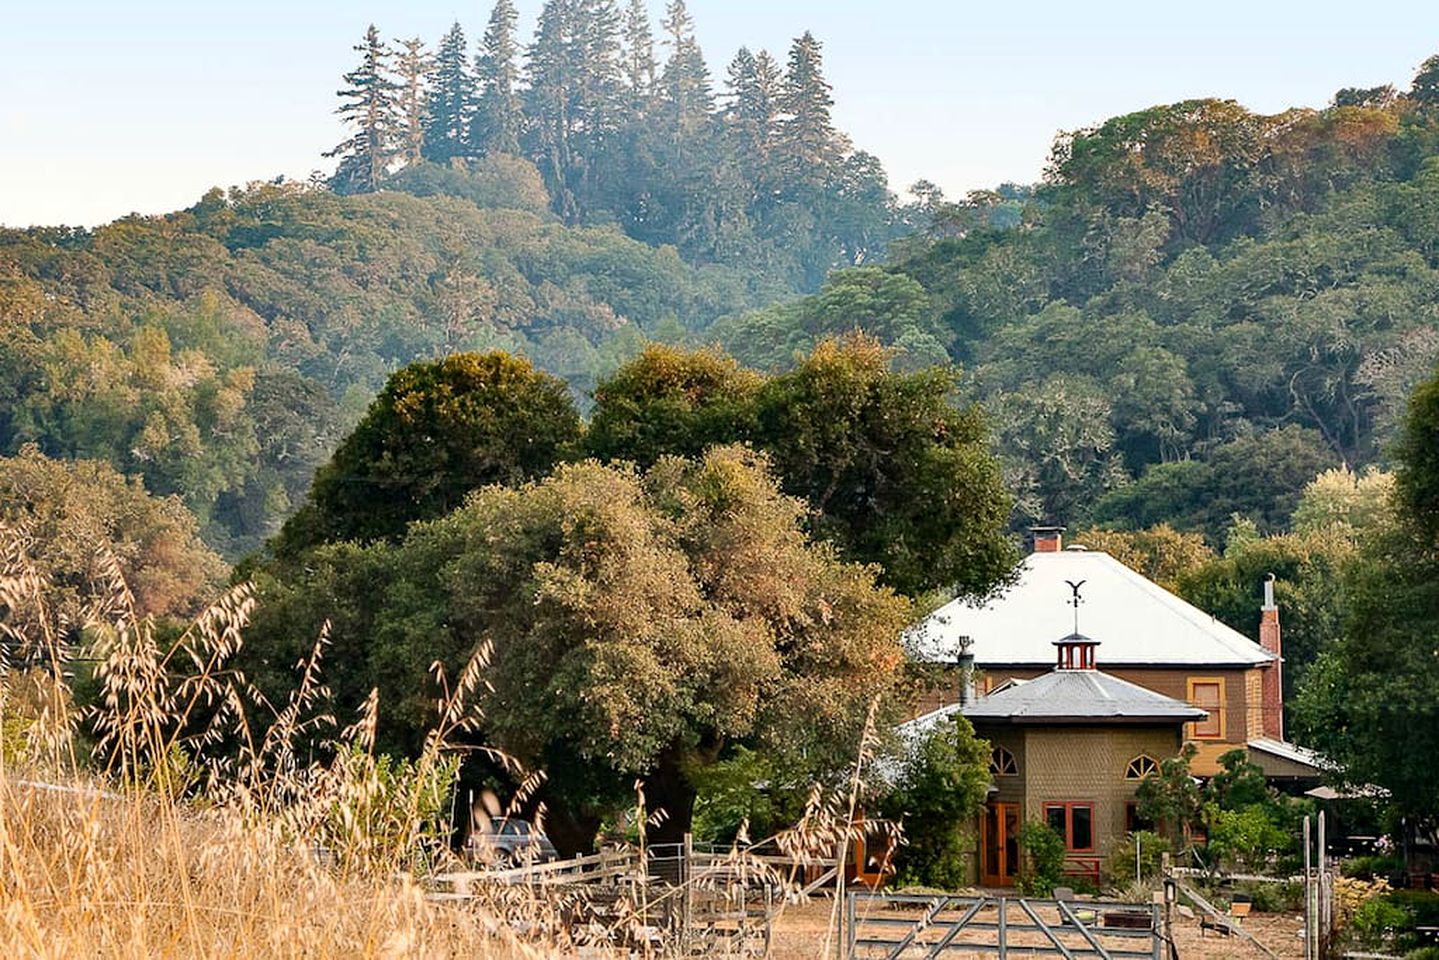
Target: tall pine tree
column 452, row 99
column 685, row 83
column 749, row 116
column 554, row 72
column 499, row 117
column 411, row 65
column 599, row 103
column 809, row 149
column 368, row 108
column 639, row 58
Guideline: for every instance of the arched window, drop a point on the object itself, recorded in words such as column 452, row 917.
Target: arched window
column 1141, row 767
column 1002, row 763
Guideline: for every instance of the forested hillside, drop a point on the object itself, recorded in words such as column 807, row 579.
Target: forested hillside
column 220, row 353
column 1198, row 310
column 567, row 203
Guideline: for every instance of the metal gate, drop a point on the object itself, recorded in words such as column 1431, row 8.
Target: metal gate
column 900, row 925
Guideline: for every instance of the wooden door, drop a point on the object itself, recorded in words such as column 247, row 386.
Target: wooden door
column 999, row 846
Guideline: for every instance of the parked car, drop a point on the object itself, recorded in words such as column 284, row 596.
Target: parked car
column 510, row 843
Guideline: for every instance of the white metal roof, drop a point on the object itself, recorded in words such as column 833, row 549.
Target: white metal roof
column 1136, row 621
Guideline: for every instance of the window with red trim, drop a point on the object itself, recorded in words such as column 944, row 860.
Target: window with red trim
column 1074, row 822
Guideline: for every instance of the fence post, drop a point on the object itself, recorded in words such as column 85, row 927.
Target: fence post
column 1308, row 895
column 849, row 933
column 687, row 904
column 1003, row 925
column 1323, row 911
column 1169, row 895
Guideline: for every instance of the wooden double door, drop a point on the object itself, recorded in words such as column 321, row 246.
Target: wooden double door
column 999, row 844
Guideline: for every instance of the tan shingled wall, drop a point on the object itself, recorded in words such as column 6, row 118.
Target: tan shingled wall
column 1067, row 764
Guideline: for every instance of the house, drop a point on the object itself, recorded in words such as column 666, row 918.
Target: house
column 1152, row 639
column 1069, row 748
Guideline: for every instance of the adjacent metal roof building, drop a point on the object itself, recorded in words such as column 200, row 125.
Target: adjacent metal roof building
column 1140, row 622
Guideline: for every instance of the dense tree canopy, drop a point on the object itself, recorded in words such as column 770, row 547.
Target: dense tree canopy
column 896, row 473
column 639, row 624
column 757, row 177
column 436, row 432
column 1372, row 703
column 78, row 516
column 221, row 353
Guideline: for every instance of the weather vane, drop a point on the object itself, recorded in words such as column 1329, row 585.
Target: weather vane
column 1076, row 600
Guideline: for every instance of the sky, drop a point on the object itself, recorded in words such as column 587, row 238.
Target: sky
column 111, row 107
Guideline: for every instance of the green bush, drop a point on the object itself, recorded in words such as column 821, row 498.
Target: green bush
column 1043, row 859
column 1152, row 847
column 1423, row 953
column 1422, row 904
column 1274, row 897
column 1370, row 867
column 1379, row 919
column 944, row 785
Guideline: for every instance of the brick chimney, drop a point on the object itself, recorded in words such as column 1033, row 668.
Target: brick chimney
column 1273, row 684
column 1047, row 539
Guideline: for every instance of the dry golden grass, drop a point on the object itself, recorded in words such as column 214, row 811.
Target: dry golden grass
column 92, row 874
column 127, row 830
column 173, row 817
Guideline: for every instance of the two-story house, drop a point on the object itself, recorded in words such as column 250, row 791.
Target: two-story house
column 1151, row 638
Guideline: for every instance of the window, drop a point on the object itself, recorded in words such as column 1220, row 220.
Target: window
column 1207, row 694
column 1133, row 822
column 1074, row 822
column 1141, row 767
column 1002, row 763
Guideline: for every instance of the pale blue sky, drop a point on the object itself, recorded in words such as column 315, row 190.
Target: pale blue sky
column 113, row 106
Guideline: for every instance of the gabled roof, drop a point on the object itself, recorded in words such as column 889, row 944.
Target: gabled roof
column 1139, row 622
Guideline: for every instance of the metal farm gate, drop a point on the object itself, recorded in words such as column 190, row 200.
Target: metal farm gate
column 902, row 926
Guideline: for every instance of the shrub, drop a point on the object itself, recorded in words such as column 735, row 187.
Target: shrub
column 1152, row 847
column 1043, row 859
column 1274, row 897
column 1423, row 953
column 1379, row 919
column 943, row 787
column 1372, row 867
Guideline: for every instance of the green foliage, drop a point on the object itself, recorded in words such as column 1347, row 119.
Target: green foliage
column 76, row 517
column 222, row 352
column 1169, row 796
column 494, row 182
column 1372, row 867
column 1042, row 868
column 1244, row 839
column 1372, row 701
column 944, row 785
column 734, row 798
column 1378, row 920
column 670, row 401
column 1119, row 868
column 1259, row 478
column 437, row 431
column 639, row 626
column 897, row 475
column 1160, row 553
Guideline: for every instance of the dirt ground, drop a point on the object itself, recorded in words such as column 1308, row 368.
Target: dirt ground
column 799, row 934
